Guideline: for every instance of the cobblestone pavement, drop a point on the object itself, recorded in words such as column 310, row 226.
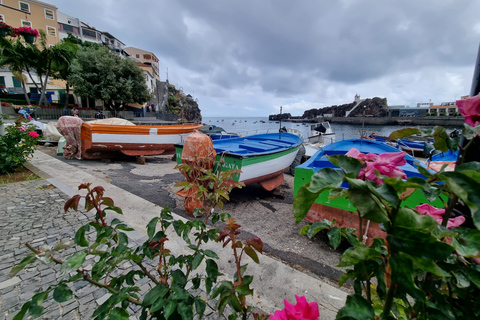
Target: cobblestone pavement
column 32, row 211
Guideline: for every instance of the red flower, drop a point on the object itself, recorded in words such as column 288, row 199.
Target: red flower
column 470, row 109
column 33, row 134
column 386, row 163
column 437, row 215
column 301, row 311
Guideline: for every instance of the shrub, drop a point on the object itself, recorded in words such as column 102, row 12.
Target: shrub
column 16, row 146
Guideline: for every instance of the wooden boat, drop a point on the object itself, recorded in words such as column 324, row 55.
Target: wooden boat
column 412, row 147
column 262, row 158
column 448, row 158
column 106, row 140
column 341, row 209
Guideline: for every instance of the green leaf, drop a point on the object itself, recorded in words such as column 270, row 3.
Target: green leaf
column 179, row 277
column 334, row 236
column 36, row 306
column 318, row 226
column 200, row 306
column 462, row 280
column 358, row 254
column 467, row 243
column 122, row 243
column 244, row 290
column 212, row 270
column 363, row 200
column 386, row 192
column 466, row 187
column 158, row 292
column 21, row 313
column 348, row 164
column 124, row 227
column 179, row 293
column 356, row 307
column 73, row 262
column 197, row 260
column 158, row 304
column 25, row 261
column 62, row 293
column 210, row 254
column 402, row 275
column 169, row 308
column 80, row 236
column 407, row 218
column 252, row 254
column 185, row 310
column 402, row 133
column 118, row 314
column 418, row 244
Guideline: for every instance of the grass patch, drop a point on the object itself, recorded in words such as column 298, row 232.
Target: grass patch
column 20, row 174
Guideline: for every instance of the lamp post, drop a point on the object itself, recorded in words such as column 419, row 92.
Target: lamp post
column 280, row 129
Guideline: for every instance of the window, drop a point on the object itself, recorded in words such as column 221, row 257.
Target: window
column 68, row 28
column 2, row 18
column 51, row 31
column 49, row 14
column 2, row 82
column 137, row 55
column 89, row 33
column 16, row 83
column 26, row 23
column 24, row 6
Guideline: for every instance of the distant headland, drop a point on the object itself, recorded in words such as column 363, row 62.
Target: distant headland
column 375, row 111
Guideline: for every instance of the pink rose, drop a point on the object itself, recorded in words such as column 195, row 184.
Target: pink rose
column 437, row 215
column 386, row 163
column 301, row 311
column 33, row 134
column 470, row 109
column 23, row 128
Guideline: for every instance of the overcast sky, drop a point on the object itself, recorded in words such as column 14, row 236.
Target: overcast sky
column 249, row 57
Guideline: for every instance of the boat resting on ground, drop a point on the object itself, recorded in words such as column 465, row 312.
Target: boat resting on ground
column 262, row 158
column 105, row 140
column 341, row 209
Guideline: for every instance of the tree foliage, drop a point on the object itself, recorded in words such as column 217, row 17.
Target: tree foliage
column 100, row 74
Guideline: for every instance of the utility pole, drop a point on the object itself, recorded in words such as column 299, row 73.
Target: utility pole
column 280, row 129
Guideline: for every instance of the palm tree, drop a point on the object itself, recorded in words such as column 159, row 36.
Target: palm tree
column 15, row 56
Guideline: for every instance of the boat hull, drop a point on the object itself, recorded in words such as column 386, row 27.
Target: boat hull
column 261, row 158
column 341, row 209
column 106, row 141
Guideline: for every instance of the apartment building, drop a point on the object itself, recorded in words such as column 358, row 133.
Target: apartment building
column 31, row 13
column 145, row 60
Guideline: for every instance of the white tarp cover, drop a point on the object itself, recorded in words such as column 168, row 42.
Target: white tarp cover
column 116, row 121
column 51, row 131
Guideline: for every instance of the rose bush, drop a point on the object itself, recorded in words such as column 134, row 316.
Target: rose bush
column 17, row 146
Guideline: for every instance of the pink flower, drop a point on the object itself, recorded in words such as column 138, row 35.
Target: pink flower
column 437, row 215
column 385, row 163
column 470, row 109
column 301, row 311
column 23, row 128
column 33, row 134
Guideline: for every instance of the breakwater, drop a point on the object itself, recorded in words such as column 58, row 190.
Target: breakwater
column 414, row 121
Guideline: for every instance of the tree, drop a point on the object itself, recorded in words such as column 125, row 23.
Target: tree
column 15, row 55
column 100, row 74
column 30, row 58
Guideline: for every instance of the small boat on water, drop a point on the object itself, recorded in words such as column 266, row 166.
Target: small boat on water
column 448, row 158
column 412, row 147
column 101, row 139
column 341, row 209
column 262, row 158
column 318, row 133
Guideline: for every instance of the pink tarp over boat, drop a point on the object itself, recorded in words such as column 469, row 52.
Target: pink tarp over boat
column 71, row 128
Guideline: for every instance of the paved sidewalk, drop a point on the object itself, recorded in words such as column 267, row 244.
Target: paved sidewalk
column 33, row 211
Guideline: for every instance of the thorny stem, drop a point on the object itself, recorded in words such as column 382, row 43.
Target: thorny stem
column 360, row 227
column 149, row 275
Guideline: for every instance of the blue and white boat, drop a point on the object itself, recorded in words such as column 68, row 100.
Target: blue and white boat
column 262, row 158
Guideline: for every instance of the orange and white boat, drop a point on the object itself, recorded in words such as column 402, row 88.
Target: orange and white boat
column 106, row 140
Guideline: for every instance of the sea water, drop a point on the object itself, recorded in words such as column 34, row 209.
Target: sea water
column 254, row 125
